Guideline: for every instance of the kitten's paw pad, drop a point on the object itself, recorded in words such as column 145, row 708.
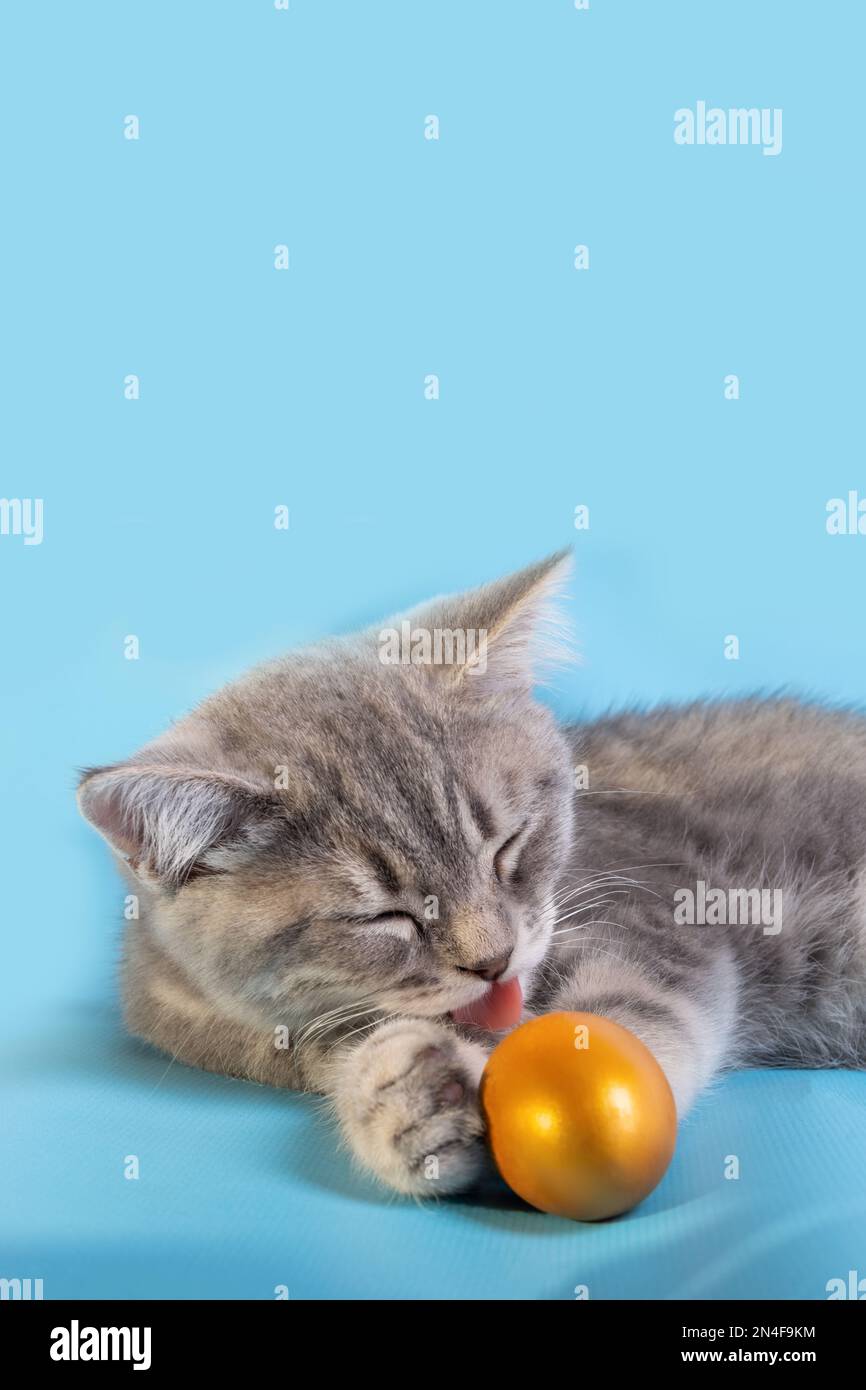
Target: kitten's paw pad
column 407, row 1099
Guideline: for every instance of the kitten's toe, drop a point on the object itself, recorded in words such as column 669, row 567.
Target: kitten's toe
column 408, row 1103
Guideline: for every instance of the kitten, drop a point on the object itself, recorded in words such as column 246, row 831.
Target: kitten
column 355, row 872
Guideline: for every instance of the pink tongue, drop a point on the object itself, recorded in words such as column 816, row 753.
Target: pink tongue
column 499, row 1008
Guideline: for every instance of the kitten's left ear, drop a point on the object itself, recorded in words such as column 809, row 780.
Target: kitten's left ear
column 166, row 821
column 499, row 637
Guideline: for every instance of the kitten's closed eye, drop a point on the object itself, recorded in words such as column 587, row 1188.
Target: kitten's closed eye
column 399, row 924
column 506, row 857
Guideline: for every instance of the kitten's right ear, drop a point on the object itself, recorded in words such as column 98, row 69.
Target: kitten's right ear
column 511, row 629
column 167, row 820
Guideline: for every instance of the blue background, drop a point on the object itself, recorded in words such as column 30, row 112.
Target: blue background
column 305, row 388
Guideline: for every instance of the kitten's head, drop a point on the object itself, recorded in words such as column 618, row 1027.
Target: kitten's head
column 376, row 822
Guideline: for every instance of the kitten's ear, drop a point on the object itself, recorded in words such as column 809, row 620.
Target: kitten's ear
column 166, row 821
column 500, row 636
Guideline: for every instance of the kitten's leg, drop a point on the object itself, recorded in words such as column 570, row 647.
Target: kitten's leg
column 687, row 1019
column 406, row 1094
column 167, row 1009
column 406, row 1097
column 407, row 1103
column 180, row 1022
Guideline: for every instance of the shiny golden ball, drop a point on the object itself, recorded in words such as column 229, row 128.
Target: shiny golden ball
column 580, row 1116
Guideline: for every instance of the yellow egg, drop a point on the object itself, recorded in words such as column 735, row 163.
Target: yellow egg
column 580, row 1117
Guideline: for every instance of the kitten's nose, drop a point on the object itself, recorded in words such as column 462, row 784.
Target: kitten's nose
column 489, row 969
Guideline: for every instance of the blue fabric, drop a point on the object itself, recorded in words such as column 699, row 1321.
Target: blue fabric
column 242, row 1189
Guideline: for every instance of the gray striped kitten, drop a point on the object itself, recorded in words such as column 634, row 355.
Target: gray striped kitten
column 358, row 864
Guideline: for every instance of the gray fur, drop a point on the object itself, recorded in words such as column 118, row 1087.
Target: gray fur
column 265, row 830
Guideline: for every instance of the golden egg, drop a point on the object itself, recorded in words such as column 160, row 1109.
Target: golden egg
column 580, row 1117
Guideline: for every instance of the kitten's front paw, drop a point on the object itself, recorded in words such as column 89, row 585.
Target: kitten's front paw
column 407, row 1099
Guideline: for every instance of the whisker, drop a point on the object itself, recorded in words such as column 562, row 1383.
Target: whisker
column 365, row 1027
column 620, row 791
column 581, row 926
column 578, row 893
column 322, row 1022
column 620, row 883
column 338, row 1023
column 614, row 879
column 652, row 864
column 600, row 946
column 566, row 916
column 593, row 902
